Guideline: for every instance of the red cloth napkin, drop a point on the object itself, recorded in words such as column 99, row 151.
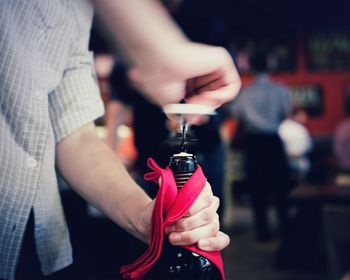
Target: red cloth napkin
column 170, row 206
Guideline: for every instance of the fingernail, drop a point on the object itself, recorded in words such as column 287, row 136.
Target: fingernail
column 175, row 237
column 204, row 243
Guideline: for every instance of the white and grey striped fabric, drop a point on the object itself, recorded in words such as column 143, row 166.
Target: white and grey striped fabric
column 47, row 90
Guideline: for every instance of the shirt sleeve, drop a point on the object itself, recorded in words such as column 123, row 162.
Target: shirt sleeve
column 76, row 101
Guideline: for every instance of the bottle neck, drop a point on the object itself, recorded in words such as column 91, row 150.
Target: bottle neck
column 183, row 165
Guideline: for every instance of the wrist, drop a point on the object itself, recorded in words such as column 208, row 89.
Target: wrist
column 138, row 217
column 160, row 56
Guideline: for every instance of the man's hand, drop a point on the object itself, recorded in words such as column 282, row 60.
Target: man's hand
column 198, row 73
column 98, row 176
column 167, row 67
column 200, row 224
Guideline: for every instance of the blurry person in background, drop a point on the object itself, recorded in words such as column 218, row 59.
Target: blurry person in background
column 261, row 107
column 342, row 145
column 298, row 144
column 342, row 152
column 48, row 102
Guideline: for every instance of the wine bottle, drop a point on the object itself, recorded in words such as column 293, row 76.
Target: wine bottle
column 177, row 263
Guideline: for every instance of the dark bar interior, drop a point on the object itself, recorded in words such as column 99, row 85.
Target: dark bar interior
column 277, row 155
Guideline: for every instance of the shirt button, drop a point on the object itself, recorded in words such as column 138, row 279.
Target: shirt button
column 31, row 162
column 39, row 95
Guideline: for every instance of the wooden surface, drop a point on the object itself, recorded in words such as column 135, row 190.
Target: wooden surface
column 325, row 193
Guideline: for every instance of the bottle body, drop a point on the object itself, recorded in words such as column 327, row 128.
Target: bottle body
column 177, row 263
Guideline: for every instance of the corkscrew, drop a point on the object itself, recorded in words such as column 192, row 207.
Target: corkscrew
column 184, row 136
column 183, row 164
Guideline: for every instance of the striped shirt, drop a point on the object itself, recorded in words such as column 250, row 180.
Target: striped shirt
column 48, row 89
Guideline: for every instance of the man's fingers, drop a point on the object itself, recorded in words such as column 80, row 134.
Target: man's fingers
column 216, row 97
column 193, row 236
column 203, row 217
column 209, row 79
column 217, row 243
column 197, row 119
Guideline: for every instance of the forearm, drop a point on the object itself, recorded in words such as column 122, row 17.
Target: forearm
column 98, row 176
column 142, row 28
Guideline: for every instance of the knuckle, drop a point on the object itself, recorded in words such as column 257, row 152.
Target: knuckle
column 207, row 216
column 188, row 238
column 208, row 199
column 181, row 225
column 186, row 225
column 190, row 212
column 214, row 229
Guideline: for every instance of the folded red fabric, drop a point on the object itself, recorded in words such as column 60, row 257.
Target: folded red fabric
column 170, row 206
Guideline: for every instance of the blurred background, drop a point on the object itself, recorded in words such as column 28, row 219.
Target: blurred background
column 278, row 156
